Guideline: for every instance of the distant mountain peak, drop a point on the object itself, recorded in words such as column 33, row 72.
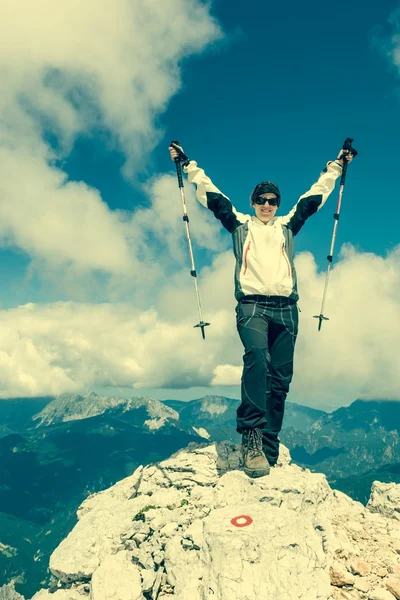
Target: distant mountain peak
column 214, row 405
column 69, row 407
column 202, row 432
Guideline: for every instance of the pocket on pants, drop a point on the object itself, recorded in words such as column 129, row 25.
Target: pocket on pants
column 244, row 312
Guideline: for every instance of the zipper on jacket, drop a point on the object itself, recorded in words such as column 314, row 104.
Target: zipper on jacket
column 245, row 257
column 286, row 258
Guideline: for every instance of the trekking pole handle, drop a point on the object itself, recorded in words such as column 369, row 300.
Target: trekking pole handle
column 179, row 172
column 348, row 148
column 181, row 156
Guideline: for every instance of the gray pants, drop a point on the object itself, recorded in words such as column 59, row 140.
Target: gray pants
column 268, row 327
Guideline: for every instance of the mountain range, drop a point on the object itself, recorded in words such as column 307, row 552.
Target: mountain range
column 75, row 446
column 16, row 413
column 54, row 452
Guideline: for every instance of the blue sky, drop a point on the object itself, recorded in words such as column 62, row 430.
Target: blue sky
column 269, row 92
column 279, row 99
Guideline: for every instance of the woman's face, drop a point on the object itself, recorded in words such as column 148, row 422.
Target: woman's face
column 265, row 212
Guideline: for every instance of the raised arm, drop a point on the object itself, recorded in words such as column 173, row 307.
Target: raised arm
column 310, row 202
column 210, row 196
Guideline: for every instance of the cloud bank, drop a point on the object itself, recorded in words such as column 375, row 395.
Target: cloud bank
column 72, row 347
column 387, row 41
column 67, row 69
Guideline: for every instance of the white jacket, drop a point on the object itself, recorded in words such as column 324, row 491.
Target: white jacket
column 264, row 251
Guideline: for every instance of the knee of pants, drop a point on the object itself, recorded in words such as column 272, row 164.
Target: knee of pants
column 281, row 377
column 256, row 356
column 278, row 399
column 280, row 386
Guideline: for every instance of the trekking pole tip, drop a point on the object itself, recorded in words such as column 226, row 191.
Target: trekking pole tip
column 202, row 325
column 321, row 318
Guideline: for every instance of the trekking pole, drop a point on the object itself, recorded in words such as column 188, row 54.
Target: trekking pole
column 193, row 272
column 348, row 149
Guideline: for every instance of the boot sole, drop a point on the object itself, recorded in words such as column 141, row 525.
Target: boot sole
column 258, row 473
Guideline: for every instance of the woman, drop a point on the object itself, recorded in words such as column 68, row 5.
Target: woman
column 266, row 291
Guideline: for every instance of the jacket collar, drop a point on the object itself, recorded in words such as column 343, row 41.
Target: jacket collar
column 259, row 222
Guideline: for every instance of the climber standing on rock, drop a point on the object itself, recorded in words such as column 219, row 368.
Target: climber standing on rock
column 266, row 291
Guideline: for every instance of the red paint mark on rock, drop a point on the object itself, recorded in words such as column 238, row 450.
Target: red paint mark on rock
column 242, row 521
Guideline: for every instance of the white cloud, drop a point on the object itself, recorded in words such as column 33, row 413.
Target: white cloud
column 226, row 375
column 357, row 349
column 70, row 347
column 387, row 42
column 58, row 220
column 394, row 39
column 67, row 67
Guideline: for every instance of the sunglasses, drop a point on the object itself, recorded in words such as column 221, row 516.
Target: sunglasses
column 271, row 201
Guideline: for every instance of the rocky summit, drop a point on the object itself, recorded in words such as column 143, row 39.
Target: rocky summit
column 195, row 527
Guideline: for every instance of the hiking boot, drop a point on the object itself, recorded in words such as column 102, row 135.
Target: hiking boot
column 254, row 462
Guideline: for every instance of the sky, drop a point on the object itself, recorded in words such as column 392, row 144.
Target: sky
column 94, row 267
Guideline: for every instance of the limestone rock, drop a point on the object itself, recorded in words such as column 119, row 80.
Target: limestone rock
column 195, row 526
column 393, row 585
column 385, row 499
column 358, row 566
column 284, row 457
column 362, row 584
column 340, row 576
column 346, row 594
column 394, row 531
column 7, row 592
column 81, row 552
column 380, row 594
column 382, row 572
column 148, row 579
column 117, row 577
